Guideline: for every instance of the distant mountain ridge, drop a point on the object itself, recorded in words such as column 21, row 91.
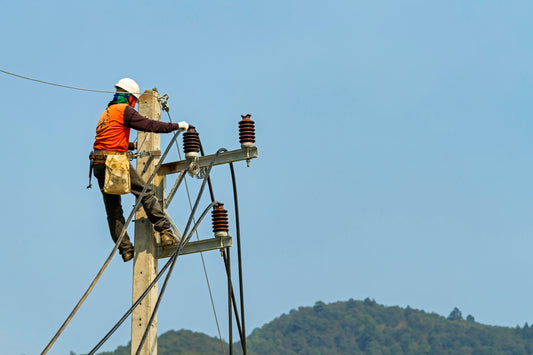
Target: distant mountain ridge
column 359, row 327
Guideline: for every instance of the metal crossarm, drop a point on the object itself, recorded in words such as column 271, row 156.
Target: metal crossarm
column 195, row 246
column 223, row 158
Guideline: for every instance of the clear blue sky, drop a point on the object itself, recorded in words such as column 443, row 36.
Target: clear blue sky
column 395, row 157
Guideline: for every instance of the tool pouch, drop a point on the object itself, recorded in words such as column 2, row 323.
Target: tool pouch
column 117, row 175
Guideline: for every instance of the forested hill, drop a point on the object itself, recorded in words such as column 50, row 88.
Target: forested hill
column 361, row 327
column 365, row 327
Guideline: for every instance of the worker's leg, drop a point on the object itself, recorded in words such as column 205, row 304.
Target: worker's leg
column 115, row 215
column 151, row 205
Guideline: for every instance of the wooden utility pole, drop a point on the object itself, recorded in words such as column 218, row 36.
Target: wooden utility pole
column 145, row 262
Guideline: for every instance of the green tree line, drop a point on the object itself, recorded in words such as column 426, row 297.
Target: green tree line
column 359, row 327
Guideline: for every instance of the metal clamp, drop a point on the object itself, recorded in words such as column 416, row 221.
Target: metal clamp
column 163, row 100
column 194, row 166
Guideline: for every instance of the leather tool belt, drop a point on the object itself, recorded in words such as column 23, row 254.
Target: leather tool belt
column 99, row 156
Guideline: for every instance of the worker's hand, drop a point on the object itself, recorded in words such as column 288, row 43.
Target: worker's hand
column 183, row 126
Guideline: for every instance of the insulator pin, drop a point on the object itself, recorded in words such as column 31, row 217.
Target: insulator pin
column 191, row 142
column 220, row 220
column 246, row 131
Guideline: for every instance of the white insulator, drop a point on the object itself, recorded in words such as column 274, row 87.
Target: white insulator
column 221, row 234
column 247, row 145
column 191, row 155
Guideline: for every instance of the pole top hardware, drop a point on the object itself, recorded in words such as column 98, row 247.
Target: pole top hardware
column 151, row 154
column 163, row 100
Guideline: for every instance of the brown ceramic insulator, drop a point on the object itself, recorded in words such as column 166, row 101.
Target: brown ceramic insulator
column 191, row 140
column 220, row 219
column 246, row 130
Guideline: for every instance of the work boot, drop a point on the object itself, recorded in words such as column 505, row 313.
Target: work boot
column 127, row 254
column 167, row 238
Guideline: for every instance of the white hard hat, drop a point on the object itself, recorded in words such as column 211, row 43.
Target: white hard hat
column 130, row 86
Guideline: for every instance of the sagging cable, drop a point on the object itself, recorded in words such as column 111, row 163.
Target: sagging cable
column 169, row 197
column 115, row 248
column 174, row 257
column 152, row 284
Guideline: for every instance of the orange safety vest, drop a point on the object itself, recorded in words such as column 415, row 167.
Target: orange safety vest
column 111, row 134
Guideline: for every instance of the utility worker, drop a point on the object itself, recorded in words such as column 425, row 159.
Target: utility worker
column 112, row 138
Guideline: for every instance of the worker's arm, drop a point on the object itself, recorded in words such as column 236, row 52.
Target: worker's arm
column 135, row 120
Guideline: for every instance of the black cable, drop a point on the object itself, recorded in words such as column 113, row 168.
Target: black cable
column 237, row 318
column 145, row 293
column 175, row 258
column 235, row 199
column 172, row 260
column 67, row 86
column 208, row 179
column 238, row 231
column 201, row 255
column 108, row 260
column 230, row 320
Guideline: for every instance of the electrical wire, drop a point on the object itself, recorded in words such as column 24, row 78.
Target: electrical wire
column 242, row 332
column 238, row 231
column 230, row 284
column 230, row 318
column 174, row 257
column 108, row 260
column 68, row 86
column 54, row 84
column 197, row 237
column 170, row 263
column 152, row 284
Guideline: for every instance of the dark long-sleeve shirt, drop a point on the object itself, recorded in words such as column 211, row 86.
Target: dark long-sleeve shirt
column 135, row 120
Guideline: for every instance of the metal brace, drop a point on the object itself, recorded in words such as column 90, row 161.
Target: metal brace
column 152, row 154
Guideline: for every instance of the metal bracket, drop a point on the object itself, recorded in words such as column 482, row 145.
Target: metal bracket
column 164, row 102
column 152, row 154
column 196, row 246
column 194, row 166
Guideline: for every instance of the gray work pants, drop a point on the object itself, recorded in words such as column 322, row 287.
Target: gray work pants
column 113, row 206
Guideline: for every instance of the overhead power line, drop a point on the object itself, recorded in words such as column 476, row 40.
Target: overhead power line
column 55, row 84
